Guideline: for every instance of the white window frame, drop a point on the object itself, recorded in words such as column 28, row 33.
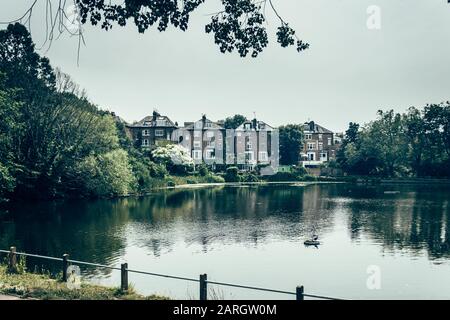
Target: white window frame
column 308, row 136
column 311, row 145
column 313, row 154
column 320, row 145
column 196, row 154
column 145, row 142
column 159, row 133
column 329, row 141
column 197, row 144
column 263, row 156
column 145, row 133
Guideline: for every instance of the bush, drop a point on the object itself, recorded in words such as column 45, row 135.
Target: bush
column 232, row 175
column 299, row 171
column 109, row 174
column 214, row 179
column 283, row 176
column 309, row 177
column 250, row 177
column 191, row 181
column 171, row 183
column 175, row 158
column 203, row 170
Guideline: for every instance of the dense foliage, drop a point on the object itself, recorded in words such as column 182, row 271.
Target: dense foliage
column 240, row 26
column 416, row 143
column 291, row 140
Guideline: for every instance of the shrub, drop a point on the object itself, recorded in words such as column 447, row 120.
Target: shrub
column 250, row 177
column 214, row 179
column 171, row 183
column 176, row 158
column 203, row 170
column 299, row 171
column 232, row 175
column 309, row 177
column 283, row 176
column 108, row 174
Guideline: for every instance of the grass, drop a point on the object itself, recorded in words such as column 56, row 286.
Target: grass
column 41, row 286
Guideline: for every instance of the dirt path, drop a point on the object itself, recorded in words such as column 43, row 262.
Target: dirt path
column 3, row 297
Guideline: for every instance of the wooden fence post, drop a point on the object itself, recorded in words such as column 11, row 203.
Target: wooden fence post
column 299, row 293
column 12, row 263
column 203, row 287
column 65, row 265
column 124, row 277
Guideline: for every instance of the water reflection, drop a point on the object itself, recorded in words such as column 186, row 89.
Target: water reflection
column 410, row 221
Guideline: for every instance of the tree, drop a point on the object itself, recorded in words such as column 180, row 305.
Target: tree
column 234, row 122
column 240, row 26
column 106, row 175
column 175, row 157
column 291, row 141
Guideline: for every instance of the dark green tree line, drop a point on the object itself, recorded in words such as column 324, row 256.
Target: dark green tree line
column 415, row 143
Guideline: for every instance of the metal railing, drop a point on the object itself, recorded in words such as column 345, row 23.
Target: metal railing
column 202, row 280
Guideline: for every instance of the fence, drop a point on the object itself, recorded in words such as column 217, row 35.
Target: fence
column 124, row 270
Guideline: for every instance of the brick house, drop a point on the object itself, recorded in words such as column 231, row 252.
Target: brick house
column 151, row 131
column 253, row 143
column 204, row 140
column 319, row 145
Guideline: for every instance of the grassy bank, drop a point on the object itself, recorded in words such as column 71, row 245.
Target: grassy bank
column 40, row 286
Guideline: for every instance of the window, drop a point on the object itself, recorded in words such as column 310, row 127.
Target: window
column 263, row 156
column 248, row 145
column 197, row 144
column 145, row 133
column 147, row 123
column 196, row 154
column 197, row 133
column 329, row 141
column 311, row 156
column 323, row 156
column 247, row 126
column 145, row 142
column 161, row 123
column 311, row 146
column 249, row 156
column 188, row 137
column 320, row 136
column 159, row 133
column 210, row 154
column 308, row 136
column 320, row 145
column 208, row 124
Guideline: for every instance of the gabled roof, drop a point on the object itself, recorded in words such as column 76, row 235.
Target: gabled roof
column 199, row 124
column 307, row 126
column 149, row 121
column 261, row 125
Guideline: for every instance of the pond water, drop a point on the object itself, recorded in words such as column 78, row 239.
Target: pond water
column 253, row 235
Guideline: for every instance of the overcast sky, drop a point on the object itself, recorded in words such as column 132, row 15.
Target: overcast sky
column 348, row 73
